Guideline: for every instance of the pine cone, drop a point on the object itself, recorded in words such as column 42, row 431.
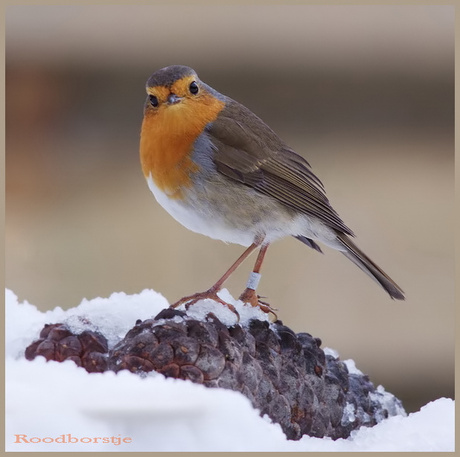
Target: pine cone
column 285, row 375
column 88, row 349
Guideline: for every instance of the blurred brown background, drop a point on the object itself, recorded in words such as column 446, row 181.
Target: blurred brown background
column 365, row 93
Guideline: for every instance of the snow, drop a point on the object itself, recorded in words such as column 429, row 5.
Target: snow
column 351, row 367
column 348, row 415
column 224, row 314
column 54, row 406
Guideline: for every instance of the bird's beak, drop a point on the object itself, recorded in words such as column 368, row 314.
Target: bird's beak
column 173, row 99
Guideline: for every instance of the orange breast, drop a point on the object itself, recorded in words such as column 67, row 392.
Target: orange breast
column 167, row 138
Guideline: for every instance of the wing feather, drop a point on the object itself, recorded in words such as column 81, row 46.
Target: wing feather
column 248, row 151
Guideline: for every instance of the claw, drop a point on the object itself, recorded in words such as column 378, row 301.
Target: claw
column 249, row 296
column 208, row 294
column 265, row 307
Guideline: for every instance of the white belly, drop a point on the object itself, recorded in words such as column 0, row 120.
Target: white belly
column 205, row 223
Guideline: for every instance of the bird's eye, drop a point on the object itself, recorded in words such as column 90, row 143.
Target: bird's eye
column 194, row 88
column 153, row 100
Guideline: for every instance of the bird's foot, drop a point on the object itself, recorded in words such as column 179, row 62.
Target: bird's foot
column 249, row 296
column 210, row 294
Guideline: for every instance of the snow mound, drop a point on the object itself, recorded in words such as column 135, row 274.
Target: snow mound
column 124, row 412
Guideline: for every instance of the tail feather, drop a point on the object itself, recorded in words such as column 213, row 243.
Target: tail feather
column 360, row 259
column 309, row 242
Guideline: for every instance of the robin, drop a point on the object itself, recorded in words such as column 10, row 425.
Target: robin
column 221, row 171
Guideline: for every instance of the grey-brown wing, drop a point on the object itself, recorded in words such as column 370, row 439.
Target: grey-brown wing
column 269, row 165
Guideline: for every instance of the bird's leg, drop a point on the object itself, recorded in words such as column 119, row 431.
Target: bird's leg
column 249, row 295
column 212, row 292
